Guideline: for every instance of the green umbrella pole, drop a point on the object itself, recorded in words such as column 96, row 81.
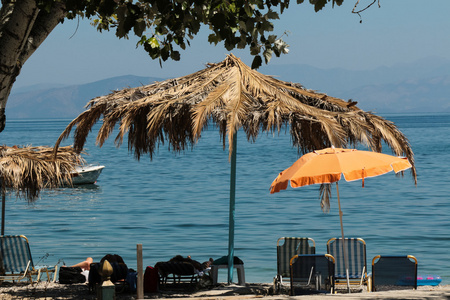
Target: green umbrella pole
column 232, row 208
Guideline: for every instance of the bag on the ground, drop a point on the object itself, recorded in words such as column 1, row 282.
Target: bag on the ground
column 151, row 280
column 68, row 275
column 132, row 280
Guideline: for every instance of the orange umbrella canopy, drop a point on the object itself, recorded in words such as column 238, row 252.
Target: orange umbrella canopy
column 327, row 166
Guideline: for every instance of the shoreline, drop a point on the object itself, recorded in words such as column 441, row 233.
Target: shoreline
column 46, row 290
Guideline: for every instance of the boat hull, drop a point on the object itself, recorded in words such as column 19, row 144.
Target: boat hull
column 86, row 174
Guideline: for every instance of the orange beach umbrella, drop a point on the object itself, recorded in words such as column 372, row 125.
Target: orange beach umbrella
column 327, row 166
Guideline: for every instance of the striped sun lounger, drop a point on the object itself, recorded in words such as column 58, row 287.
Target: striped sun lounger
column 357, row 266
column 287, row 247
column 17, row 261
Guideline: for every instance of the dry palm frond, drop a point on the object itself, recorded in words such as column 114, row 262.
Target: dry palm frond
column 232, row 96
column 325, row 197
column 28, row 170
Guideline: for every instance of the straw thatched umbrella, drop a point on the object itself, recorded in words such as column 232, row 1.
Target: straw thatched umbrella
column 232, row 96
column 27, row 170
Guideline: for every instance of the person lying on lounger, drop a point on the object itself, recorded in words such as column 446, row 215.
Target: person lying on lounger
column 85, row 266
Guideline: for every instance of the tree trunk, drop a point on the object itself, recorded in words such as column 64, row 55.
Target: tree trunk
column 23, row 28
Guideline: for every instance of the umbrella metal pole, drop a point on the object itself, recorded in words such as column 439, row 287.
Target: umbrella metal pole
column 232, row 208
column 344, row 247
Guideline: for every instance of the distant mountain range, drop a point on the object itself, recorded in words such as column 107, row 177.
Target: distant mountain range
column 422, row 86
column 55, row 101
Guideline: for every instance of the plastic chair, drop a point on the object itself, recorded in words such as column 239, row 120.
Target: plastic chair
column 394, row 272
column 357, row 264
column 18, row 262
column 312, row 273
column 287, row 247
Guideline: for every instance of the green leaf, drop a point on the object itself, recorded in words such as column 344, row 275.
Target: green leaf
column 242, row 42
column 139, row 27
column 213, row 39
column 242, row 26
column 272, row 38
column 255, row 49
column 248, row 9
column 175, row 55
column 142, row 41
column 319, row 4
column 257, row 62
column 266, row 26
column 250, row 25
column 229, row 44
column 272, row 15
column 153, row 42
column 232, row 7
column 153, row 52
column 165, row 53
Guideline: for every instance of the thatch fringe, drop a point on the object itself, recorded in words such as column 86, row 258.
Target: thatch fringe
column 27, row 170
column 232, row 96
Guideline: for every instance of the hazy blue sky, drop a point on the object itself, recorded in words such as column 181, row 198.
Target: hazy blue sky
column 400, row 31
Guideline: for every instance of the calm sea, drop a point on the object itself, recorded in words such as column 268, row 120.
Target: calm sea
column 178, row 203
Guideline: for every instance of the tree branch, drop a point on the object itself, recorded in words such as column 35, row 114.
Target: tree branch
column 43, row 26
column 361, row 10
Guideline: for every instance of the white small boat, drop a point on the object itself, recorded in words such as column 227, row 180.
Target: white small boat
column 86, row 174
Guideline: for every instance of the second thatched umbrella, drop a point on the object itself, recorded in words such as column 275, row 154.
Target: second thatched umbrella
column 232, row 96
column 27, row 170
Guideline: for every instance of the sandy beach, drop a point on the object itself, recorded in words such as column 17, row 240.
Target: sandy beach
column 45, row 290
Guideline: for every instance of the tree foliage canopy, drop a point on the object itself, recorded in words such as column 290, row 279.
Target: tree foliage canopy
column 166, row 26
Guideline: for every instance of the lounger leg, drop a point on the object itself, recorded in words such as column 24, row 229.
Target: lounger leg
column 275, row 285
column 38, row 278
column 54, row 275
